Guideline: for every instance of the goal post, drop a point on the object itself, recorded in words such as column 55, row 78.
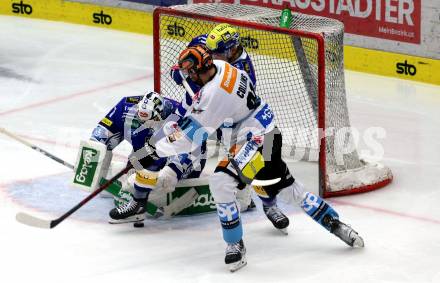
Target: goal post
column 299, row 72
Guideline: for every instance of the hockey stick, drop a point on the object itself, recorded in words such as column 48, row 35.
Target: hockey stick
column 34, row 147
column 255, row 182
column 49, row 224
column 177, row 205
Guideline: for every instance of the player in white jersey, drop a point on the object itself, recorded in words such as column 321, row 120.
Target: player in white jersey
column 227, row 97
column 224, row 43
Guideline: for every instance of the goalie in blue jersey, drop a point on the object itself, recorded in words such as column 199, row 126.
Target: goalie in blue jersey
column 135, row 119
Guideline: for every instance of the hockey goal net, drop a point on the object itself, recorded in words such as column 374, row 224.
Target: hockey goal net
column 299, row 73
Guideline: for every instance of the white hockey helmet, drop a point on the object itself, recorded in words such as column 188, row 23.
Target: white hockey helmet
column 150, row 107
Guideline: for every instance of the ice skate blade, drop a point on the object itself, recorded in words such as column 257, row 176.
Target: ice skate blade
column 134, row 218
column 237, row 265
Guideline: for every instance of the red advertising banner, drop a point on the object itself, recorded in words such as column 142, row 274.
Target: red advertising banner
column 213, row 1
column 397, row 20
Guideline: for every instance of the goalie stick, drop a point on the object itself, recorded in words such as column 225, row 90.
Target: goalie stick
column 34, row 147
column 255, row 182
column 174, row 208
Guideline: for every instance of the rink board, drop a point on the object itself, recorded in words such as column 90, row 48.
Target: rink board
column 358, row 59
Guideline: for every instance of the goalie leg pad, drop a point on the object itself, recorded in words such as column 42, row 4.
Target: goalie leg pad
column 92, row 163
column 319, row 210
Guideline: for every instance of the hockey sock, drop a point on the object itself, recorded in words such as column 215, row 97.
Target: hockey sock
column 318, row 209
column 140, row 193
column 269, row 201
column 229, row 215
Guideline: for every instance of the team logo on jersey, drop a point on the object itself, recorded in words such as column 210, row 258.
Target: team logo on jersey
column 264, row 116
column 229, row 78
column 133, row 99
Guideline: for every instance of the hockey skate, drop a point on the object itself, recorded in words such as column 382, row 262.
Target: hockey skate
column 345, row 233
column 278, row 219
column 132, row 211
column 236, row 256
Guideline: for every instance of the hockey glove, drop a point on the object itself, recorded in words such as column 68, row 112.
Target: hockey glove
column 143, row 157
column 176, row 75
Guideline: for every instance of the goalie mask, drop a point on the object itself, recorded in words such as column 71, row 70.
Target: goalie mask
column 222, row 39
column 150, row 107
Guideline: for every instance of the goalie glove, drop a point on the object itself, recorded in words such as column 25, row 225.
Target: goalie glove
column 166, row 180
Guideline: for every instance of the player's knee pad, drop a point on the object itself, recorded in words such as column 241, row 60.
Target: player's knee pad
column 244, row 198
column 223, row 187
column 229, row 215
column 318, row 209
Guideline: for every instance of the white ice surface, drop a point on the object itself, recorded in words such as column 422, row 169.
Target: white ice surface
column 57, row 80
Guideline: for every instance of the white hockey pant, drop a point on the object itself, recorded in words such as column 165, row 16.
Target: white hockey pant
column 224, row 190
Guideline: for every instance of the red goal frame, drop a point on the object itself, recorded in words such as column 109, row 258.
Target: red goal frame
column 321, row 82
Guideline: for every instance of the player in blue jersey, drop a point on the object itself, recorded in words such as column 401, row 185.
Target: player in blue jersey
column 135, row 119
column 224, row 43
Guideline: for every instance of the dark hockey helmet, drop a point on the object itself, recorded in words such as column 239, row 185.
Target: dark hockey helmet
column 195, row 60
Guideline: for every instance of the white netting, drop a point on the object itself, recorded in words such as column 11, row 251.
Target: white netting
column 287, row 78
